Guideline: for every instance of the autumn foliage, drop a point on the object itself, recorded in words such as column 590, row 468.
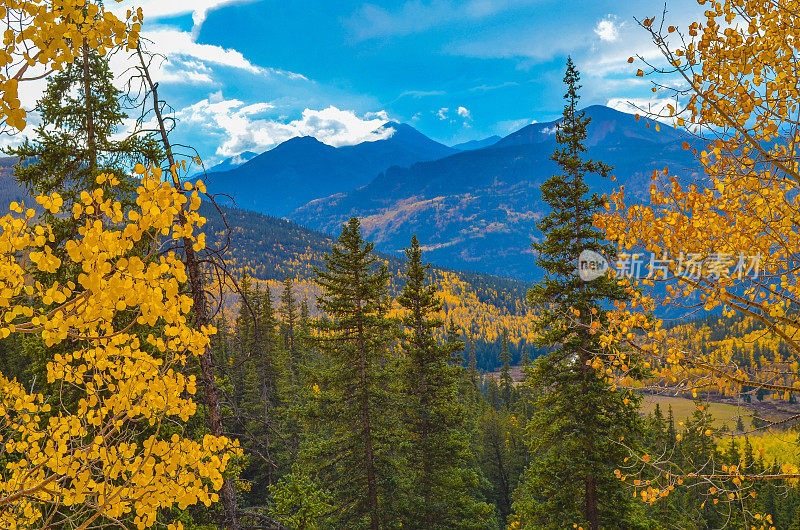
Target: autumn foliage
column 737, row 99
column 742, row 200
column 112, row 450
column 45, row 35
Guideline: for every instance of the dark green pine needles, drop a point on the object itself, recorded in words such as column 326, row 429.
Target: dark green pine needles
column 443, row 481
column 579, row 419
column 356, row 428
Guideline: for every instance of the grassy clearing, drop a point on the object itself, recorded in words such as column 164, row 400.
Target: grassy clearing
column 722, row 413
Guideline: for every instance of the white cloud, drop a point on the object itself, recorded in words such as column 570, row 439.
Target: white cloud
column 243, row 127
column 184, row 61
column 600, row 44
column 509, row 126
column 442, row 113
column 239, row 159
column 155, row 9
column 175, row 43
column 487, row 88
column 647, row 107
column 381, row 115
column 191, row 62
column 463, row 112
column 188, row 61
column 608, row 28
column 421, row 93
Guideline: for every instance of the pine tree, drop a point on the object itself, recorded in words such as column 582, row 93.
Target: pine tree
column 243, row 343
column 526, row 358
column 443, row 481
column 658, row 425
column 578, row 416
column 353, row 419
column 288, row 323
column 255, row 381
column 75, row 141
column 264, row 385
column 492, row 391
column 472, row 361
column 500, row 450
column 506, row 382
column 455, row 344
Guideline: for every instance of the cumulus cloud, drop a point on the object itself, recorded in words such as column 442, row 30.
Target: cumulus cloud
column 608, row 28
column 442, row 113
column 241, row 159
column 243, row 127
column 463, row 112
column 381, row 115
column 188, row 61
column 175, row 43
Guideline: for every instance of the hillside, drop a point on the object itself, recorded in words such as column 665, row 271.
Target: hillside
column 9, row 189
column 477, row 210
column 271, row 250
column 477, row 144
column 302, row 169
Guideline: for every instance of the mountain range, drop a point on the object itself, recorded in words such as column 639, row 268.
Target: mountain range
column 478, row 209
column 473, row 206
column 302, row 169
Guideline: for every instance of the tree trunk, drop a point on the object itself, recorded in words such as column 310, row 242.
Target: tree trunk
column 372, row 485
column 91, row 142
column 592, row 513
column 210, row 389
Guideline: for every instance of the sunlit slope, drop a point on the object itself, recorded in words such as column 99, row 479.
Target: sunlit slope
column 271, row 250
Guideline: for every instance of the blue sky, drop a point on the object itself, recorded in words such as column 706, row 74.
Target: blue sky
column 245, row 75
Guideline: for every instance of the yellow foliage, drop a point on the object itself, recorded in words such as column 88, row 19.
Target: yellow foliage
column 43, row 35
column 737, row 98
column 480, row 320
column 742, row 201
column 112, row 449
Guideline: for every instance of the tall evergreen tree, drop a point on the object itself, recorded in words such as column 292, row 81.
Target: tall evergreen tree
column 289, row 322
column 578, row 418
column 76, row 140
column 455, row 344
column 264, row 384
column 352, row 441
column 253, row 362
column 443, row 482
column 506, row 382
